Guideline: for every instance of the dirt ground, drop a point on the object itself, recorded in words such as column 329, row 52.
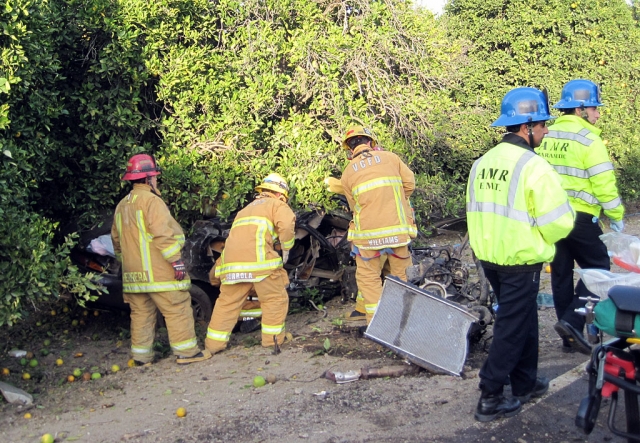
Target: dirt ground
column 139, row 404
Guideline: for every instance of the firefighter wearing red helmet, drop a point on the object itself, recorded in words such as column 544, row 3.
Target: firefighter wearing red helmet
column 377, row 185
column 250, row 261
column 147, row 241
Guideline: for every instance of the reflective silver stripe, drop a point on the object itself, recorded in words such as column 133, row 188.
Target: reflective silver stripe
column 502, row 210
column 611, row 204
column 371, row 308
column 272, row 330
column 472, row 190
column 515, row 177
column 140, row 349
column 144, row 240
column 173, row 285
column 580, row 137
column 573, row 172
column 584, row 132
column 212, row 334
column 251, row 313
column 186, row 344
column 598, row 169
column 172, row 250
column 581, row 173
column 248, row 267
column 555, row 214
column 505, row 211
column 585, row 196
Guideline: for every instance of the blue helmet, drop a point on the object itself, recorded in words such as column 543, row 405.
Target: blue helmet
column 579, row 93
column 523, row 105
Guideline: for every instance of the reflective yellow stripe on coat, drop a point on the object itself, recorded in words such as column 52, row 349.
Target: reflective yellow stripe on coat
column 516, row 209
column 574, row 148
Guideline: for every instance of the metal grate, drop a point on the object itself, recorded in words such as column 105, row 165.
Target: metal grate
column 426, row 330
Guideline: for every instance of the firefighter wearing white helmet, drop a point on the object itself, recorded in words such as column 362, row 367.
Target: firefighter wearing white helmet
column 377, row 185
column 250, row 261
column 148, row 240
column 516, row 212
column 574, row 148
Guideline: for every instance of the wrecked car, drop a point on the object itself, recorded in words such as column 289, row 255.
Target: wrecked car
column 320, row 266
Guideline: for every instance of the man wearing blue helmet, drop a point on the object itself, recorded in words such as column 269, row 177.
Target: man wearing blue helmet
column 574, row 148
column 516, row 211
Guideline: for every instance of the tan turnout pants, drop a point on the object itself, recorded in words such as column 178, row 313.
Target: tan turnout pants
column 369, row 267
column 175, row 306
column 274, row 301
column 385, row 271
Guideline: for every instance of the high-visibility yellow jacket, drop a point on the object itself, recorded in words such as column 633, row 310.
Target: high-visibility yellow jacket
column 147, row 239
column 516, row 207
column 377, row 185
column 574, row 148
column 249, row 254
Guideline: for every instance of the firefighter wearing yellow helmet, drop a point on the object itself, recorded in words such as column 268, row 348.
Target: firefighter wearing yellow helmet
column 147, row 241
column 377, row 185
column 250, row 261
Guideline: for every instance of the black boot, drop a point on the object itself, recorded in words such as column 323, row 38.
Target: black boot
column 539, row 389
column 571, row 335
column 494, row 406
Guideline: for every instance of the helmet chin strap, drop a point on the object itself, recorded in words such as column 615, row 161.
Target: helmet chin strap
column 148, row 180
column 583, row 113
column 530, row 131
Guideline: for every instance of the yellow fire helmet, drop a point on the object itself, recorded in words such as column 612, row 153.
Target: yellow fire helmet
column 274, row 182
column 354, row 131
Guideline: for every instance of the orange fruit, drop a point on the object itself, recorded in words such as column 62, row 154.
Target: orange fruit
column 181, row 412
column 71, row 379
column 5, row 371
column 26, row 376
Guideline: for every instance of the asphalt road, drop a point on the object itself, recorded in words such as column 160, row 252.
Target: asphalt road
column 550, row 419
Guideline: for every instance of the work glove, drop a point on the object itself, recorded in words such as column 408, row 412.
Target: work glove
column 617, row 226
column 285, row 256
column 179, row 269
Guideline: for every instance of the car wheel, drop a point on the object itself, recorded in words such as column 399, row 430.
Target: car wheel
column 201, row 305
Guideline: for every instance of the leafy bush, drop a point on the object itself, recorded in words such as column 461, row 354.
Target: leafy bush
column 225, row 92
column 544, row 45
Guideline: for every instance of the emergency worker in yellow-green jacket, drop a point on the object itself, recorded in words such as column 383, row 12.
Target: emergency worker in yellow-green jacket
column 377, row 185
column 576, row 151
column 250, row 261
column 148, row 242
column 516, row 212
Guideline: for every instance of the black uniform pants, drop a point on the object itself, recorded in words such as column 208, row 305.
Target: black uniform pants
column 514, row 350
column 583, row 246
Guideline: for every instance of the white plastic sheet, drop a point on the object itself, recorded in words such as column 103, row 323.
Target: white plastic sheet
column 599, row 281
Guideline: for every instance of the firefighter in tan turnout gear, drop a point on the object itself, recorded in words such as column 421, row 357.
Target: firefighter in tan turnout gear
column 250, row 260
column 377, row 185
column 148, row 240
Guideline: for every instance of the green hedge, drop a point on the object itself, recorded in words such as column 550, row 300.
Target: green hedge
column 225, row 92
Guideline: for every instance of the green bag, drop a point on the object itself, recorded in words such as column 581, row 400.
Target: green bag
column 619, row 315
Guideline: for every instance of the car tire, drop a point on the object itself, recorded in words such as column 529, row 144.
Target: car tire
column 201, row 305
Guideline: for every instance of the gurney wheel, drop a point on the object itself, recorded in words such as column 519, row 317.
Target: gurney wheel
column 588, row 413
